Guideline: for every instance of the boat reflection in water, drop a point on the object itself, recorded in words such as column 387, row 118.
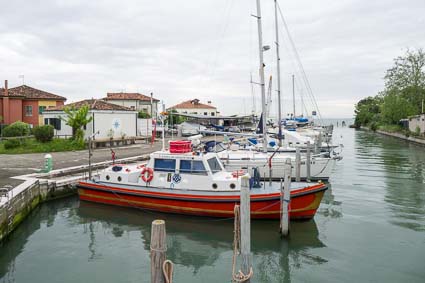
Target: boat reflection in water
column 196, row 242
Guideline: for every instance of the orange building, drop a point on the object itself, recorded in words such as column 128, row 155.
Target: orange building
column 26, row 104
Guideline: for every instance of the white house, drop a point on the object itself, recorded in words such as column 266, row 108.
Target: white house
column 134, row 101
column 417, row 121
column 109, row 119
column 195, row 107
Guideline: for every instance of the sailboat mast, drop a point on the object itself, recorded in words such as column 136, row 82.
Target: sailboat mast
column 263, row 90
column 293, row 93
column 279, row 119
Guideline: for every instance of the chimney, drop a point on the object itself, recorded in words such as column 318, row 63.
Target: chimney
column 6, row 90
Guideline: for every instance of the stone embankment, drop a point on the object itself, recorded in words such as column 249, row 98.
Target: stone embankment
column 17, row 203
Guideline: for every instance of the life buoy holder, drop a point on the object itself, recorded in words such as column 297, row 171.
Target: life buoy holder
column 238, row 173
column 147, row 178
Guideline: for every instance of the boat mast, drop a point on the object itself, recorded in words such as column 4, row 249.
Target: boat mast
column 293, row 93
column 279, row 119
column 263, row 91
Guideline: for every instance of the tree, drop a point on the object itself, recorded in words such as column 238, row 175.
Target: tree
column 368, row 110
column 76, row 119
column 143, row 115
column 395, row 108
column 407, row 78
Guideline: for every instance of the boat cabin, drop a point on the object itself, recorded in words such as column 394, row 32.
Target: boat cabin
column 185, row 171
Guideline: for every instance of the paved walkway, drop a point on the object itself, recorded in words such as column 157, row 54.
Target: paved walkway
column 21, row 164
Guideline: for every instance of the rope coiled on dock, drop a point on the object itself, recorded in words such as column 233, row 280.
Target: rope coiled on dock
column 239, row 276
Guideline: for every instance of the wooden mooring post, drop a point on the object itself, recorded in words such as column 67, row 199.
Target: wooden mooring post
column 245, row 227
column 298, row 164
column 286, row 199
column 308, row 161
column 158, row 250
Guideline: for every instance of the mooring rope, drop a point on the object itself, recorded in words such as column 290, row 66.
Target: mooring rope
column 239, row 276
column 167, row 270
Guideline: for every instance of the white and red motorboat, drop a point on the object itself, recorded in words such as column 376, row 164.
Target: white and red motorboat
column 194, row 183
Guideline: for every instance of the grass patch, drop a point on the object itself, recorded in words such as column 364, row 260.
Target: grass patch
column 33, row 146
column 391, row 128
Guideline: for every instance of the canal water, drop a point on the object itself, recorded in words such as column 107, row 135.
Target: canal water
column 370, row 228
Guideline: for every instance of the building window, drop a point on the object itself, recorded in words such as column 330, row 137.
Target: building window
column 133, row 107
column 192, row 167
column 28, row 110
column 206, row 113
column 41, row 109
column 212, row 114
column 55, row 122
column 165, row 165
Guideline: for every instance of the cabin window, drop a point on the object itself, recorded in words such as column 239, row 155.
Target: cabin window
column 192, row 167
column 214, row 165
column 165, row 165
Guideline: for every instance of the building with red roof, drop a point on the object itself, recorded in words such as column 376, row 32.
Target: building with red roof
column 26, row 104
column 194, row 106
column 134, row 101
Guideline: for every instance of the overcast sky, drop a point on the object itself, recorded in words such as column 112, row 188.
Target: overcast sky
column 206, row 49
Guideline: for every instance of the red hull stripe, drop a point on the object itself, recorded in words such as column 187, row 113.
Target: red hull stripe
column 208, row 198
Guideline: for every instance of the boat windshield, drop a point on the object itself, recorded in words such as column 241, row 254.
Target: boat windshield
column 215, row 165
column 219, row 147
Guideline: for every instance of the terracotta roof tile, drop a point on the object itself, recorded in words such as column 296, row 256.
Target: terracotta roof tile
column 94, row 104
column 128, row 96
column 192, row 104
column 32, row 93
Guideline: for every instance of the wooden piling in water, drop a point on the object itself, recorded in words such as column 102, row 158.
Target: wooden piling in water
column 298, row 164
column 158, row 250
column 245, row 215
column 308, row 161
column 286, row 199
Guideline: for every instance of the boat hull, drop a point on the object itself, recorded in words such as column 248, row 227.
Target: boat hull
column 304, row 202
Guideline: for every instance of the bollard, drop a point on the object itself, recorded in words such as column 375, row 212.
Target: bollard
column 308, row 161
column 48, row 163
column 158, row 250
column 245, row 226
column 298, row 164
column 286, row 199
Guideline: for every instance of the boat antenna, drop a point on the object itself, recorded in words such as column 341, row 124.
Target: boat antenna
column 279, row 108
column 261, row 49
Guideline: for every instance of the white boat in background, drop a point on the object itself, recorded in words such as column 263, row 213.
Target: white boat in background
column 270, row 165
column 190, row 129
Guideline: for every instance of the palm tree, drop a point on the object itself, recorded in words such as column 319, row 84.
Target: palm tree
column 76, row 118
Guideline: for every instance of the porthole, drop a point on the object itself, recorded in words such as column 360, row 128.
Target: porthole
column 107, row 177
column 214, row 186
column 119, row 178
column 232, row 186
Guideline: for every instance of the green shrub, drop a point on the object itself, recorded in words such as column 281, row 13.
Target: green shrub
column 44, row 133
column 17, row 129
column 143, row 115
column 373, row 126
column 13, row 143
